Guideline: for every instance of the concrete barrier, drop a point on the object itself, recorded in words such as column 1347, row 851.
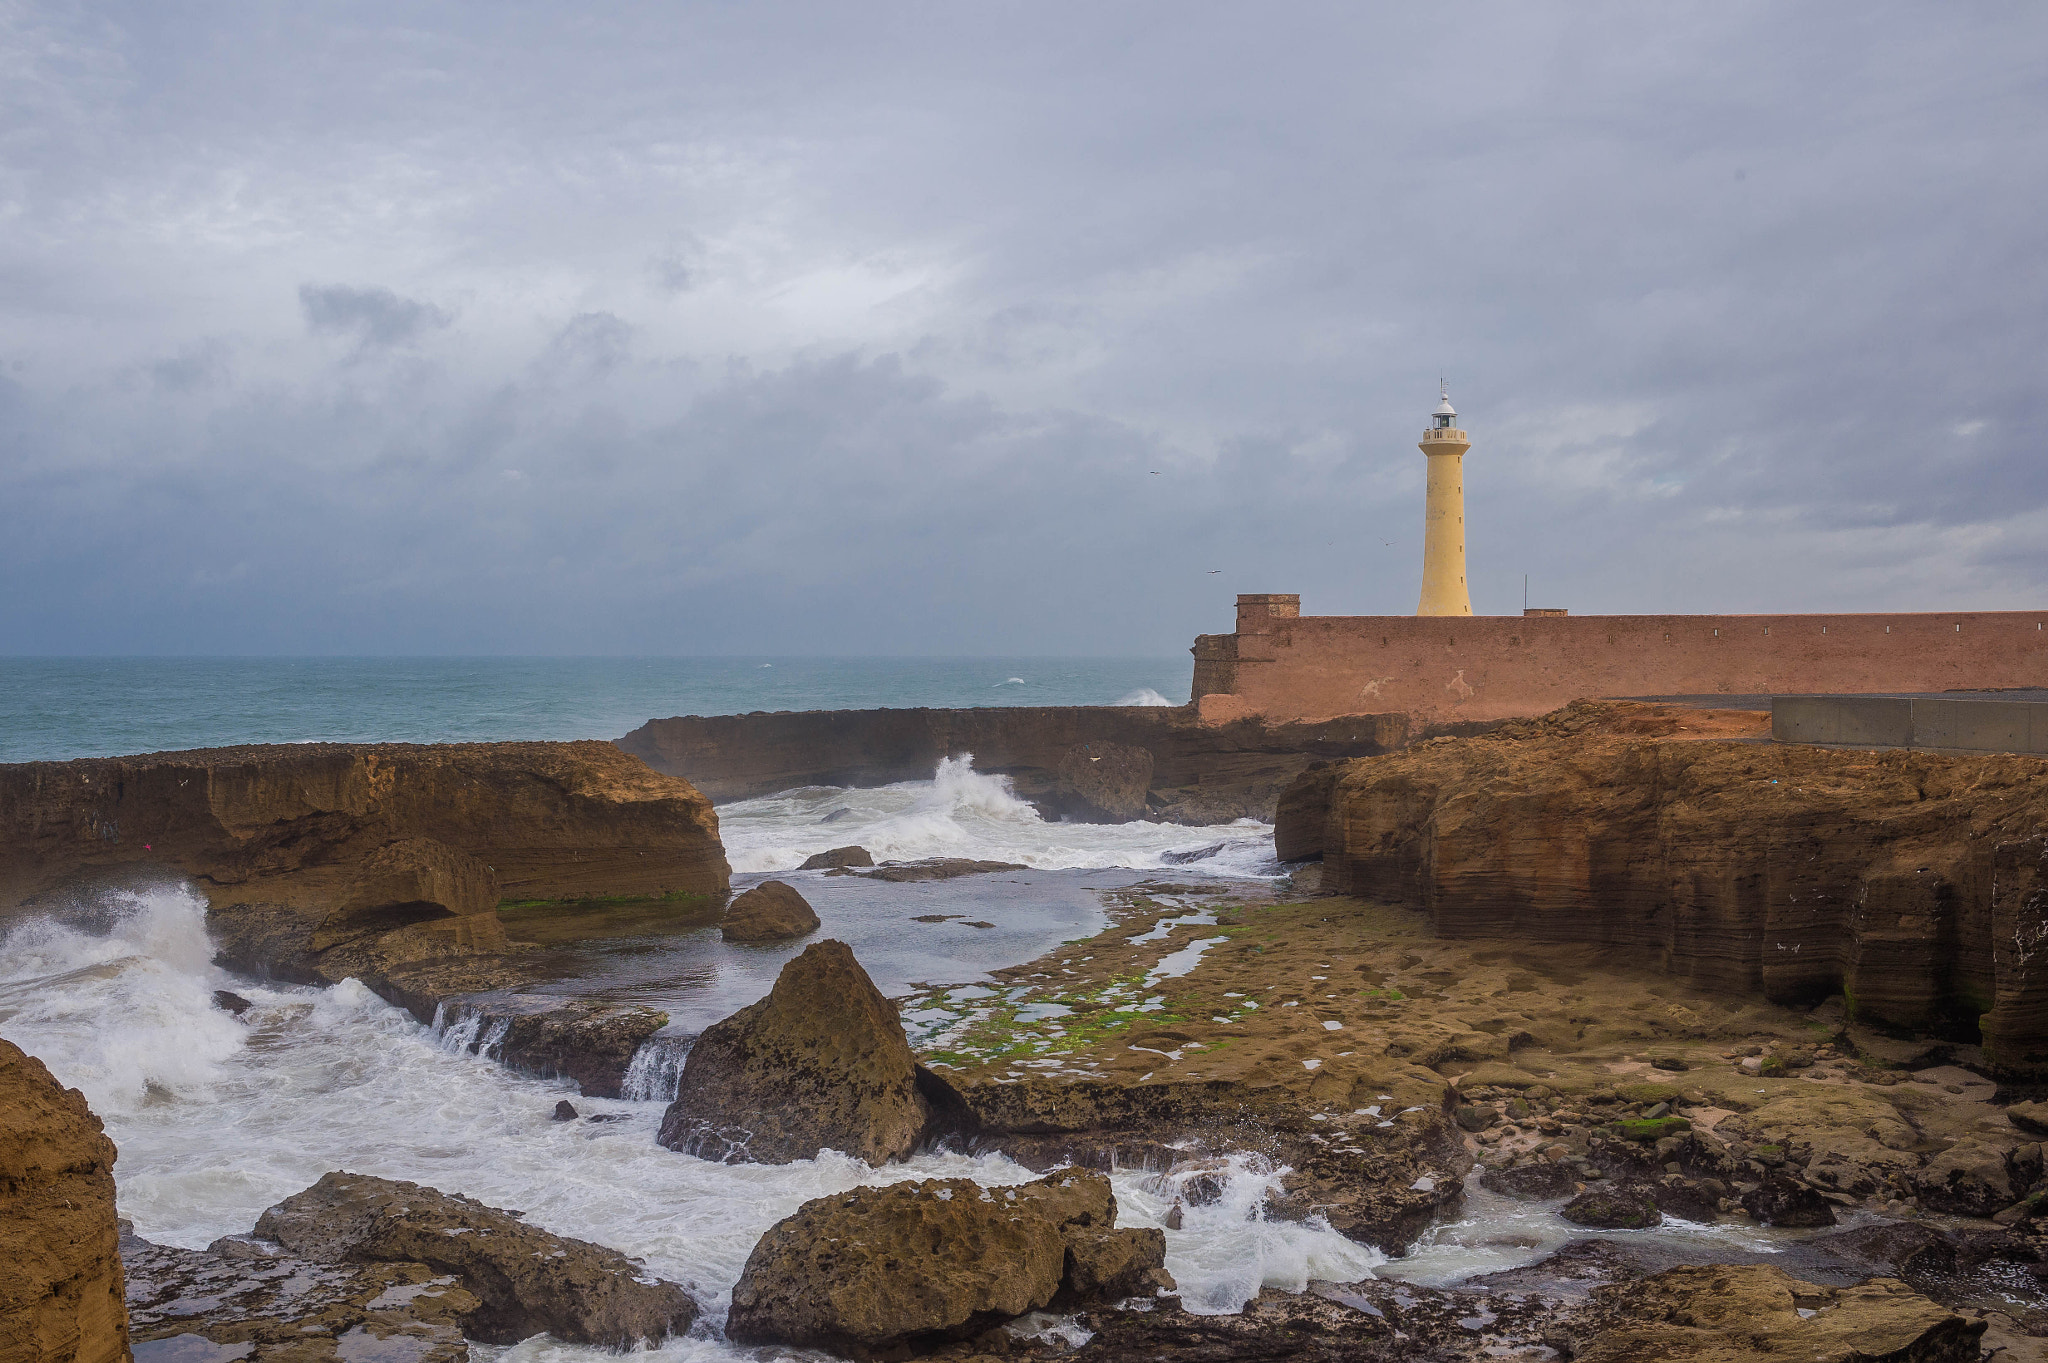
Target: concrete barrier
column 2016, row 726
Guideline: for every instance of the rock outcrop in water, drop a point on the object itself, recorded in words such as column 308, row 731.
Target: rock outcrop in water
column 909, row 1266
column 1913, row 883
column 526, row 1280
column 770, row 912
column 821, row 1063
column 60, row 1261
column 1157, row 762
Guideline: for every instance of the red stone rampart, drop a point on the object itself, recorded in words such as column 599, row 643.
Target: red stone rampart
column 1286, row 666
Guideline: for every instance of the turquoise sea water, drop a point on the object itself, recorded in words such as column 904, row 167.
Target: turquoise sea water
column 55, row 708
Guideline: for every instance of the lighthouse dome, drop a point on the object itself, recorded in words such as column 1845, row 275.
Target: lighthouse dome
column 1444, row 408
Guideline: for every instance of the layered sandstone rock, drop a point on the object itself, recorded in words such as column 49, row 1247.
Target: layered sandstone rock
column 385, row 862
column 526, row 1280
column 1915, row 884
column 253, row 1300
column 770, row 912
column 820, row 1063
column 912, row 1265
column 354, row 825
column 60, row 1261
column 1721, row 1313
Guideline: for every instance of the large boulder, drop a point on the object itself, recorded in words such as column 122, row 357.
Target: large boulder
column 60, row 1290
column 526, row 1280
column 913, row 1265
column 770, row 912
column 1972, row 1178
column 1781, row 1201
column 821, row 1063
column 1608, row 1207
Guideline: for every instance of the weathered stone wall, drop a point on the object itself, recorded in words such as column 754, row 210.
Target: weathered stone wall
column 1915, row 884
column 1199, row 772
column 1284, row 666
column 60, row 1260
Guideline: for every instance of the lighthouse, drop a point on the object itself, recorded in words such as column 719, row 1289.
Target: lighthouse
column 1443, row 530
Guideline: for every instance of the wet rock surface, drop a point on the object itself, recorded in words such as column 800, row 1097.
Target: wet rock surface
column 239, row 1299
column 1751, row 1311
column 60, row 1264
column 770, row 912
column 525, row 1279
column 935, row 868
column 905, row 1268
column 590, row 1041
column 837, row 856
column 821, row 1063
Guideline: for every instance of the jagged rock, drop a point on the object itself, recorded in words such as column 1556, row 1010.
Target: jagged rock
column 1531, row 1182
column 770, row 912
column 60, row 1261
column 1612, row 1208
column 591, row 1041
column 1905, row 873
column 1721, row 1313
column 264, row 1305
column 1110, row 1265
column 1972, row 1178
column 1382, row 1190
column 1905, row 1249
column 838, row 856
column 1782, row 1201
column 565, row 1111
column 231, row 1002
column 1685, row 1198
column 526, row 1279
column 1192, row 855
column 936, row 868
column 911, row 1265
column 1101, row 782
column 821, row 1063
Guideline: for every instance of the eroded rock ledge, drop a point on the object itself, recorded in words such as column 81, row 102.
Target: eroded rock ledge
column 385, row 862
column 1914, row 884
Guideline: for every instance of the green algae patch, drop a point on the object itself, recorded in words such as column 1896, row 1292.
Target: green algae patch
column 1650, row 1128
column 1648, row 1093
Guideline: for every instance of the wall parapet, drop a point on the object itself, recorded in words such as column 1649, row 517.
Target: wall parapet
column 1440, row 668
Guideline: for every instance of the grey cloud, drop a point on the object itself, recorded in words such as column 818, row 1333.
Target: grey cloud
column 953, row 285
column 374, row 318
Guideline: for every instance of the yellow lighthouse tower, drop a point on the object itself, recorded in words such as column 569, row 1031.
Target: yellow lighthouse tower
column 1443, row 533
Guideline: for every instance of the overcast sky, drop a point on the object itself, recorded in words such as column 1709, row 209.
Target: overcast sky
column 1002, row 328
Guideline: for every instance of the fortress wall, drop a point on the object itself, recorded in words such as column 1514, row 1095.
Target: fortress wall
column 1285, row 666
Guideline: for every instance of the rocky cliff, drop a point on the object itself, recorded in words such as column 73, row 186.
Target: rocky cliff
column 549, row 820
column 1100, row 763
column 60, row 1289
column 1915, row 884
column 386, row 862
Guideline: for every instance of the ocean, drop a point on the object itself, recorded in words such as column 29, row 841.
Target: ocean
column 60, row 708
